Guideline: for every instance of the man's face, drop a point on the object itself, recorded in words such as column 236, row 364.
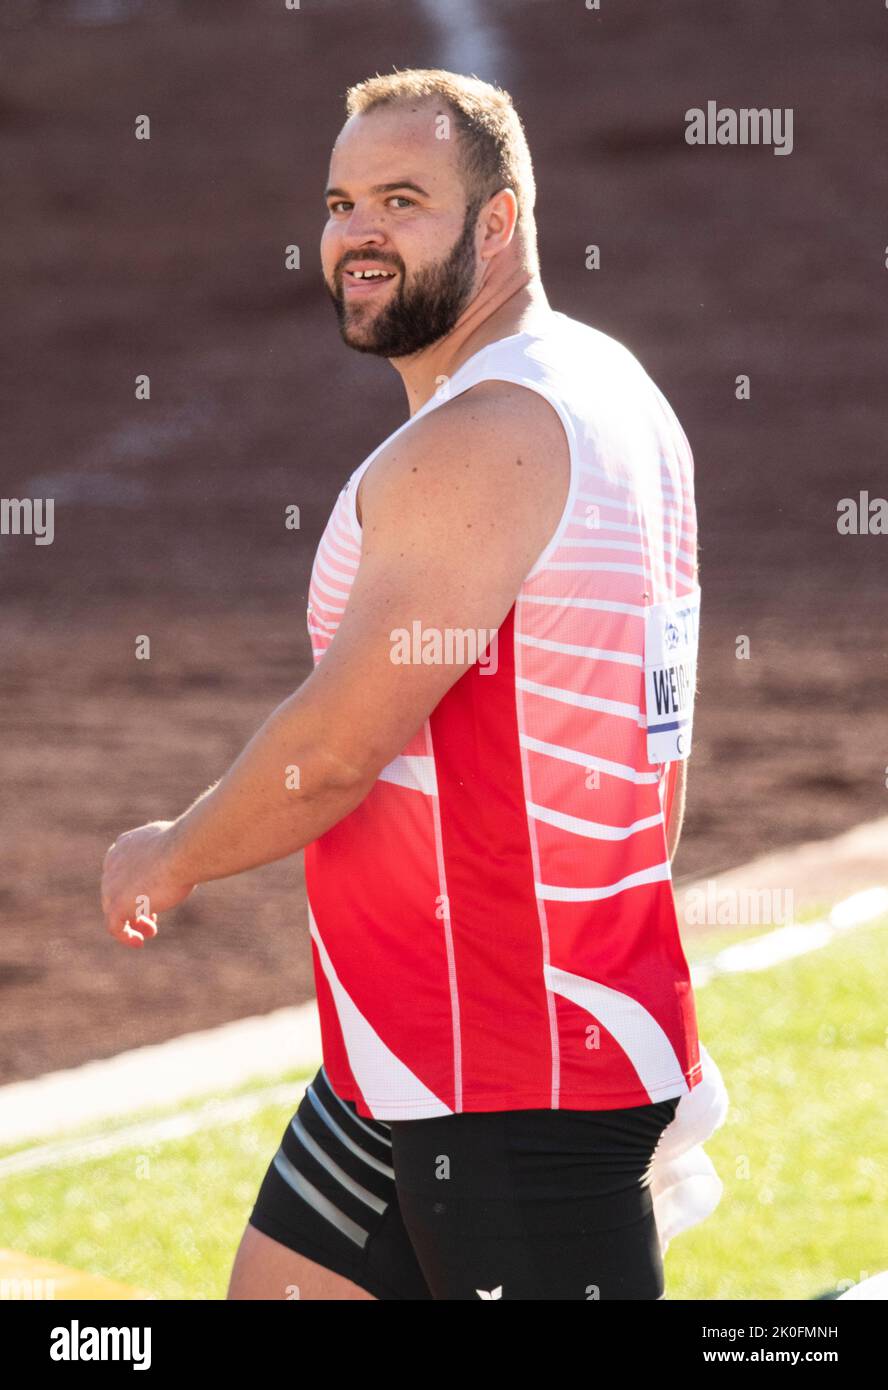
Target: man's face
column 397, row 204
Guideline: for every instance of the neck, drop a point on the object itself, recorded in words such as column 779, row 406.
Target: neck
column 517, row 303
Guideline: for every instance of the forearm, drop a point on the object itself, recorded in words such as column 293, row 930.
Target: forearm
column 283, row 791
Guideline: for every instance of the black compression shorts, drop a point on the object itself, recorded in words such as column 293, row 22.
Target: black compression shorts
column 526, row 1204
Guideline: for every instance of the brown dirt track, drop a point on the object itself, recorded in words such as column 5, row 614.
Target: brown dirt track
column 166, row 257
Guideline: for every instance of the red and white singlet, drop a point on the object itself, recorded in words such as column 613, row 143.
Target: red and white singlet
column 493, row 927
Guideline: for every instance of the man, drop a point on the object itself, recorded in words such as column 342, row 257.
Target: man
column 490, row 748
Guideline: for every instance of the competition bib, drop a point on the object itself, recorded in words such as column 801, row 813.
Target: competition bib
column 671, row 631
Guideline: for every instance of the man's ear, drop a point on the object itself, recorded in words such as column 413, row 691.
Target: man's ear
column 499, row 219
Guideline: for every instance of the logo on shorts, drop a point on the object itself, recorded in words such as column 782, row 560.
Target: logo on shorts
column 491, row 1293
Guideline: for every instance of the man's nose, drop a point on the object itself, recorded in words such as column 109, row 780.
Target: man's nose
column 363, row 227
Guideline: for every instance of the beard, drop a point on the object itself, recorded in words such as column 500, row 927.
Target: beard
column 421, row 311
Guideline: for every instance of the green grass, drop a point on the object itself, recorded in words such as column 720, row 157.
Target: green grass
column 803, row 1153
column 803, row 1156
column 166, row 1218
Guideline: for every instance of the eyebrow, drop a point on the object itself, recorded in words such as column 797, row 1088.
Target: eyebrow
column 380, row 188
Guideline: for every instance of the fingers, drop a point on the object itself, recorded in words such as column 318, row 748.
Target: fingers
column 125, row 934
column 144, row 929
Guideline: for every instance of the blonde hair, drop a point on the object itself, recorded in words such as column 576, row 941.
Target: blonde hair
column 493, row 148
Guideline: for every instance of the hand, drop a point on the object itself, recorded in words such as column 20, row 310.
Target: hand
column 138, row 881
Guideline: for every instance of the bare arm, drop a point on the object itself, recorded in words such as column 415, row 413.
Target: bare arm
column 677, row 809
column 454, row 519
column 455, row 515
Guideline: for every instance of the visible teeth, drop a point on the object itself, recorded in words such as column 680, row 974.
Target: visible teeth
column 370, row 274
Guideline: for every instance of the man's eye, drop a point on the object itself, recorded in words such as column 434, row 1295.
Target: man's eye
column 343, row 203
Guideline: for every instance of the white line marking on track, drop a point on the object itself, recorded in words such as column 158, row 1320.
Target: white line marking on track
column 149, row 1132
column 195, row 1066
column 786, row 943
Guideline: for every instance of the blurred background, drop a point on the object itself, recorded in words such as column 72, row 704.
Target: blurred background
column 166, row 257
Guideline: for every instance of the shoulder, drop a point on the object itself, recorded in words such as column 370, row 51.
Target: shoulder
column 520, row 412
column 497, row 441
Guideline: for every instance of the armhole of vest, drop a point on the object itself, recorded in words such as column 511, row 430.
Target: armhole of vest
column 351, row 500
column 351, row 504
column 678, row 430
column 574, row 483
